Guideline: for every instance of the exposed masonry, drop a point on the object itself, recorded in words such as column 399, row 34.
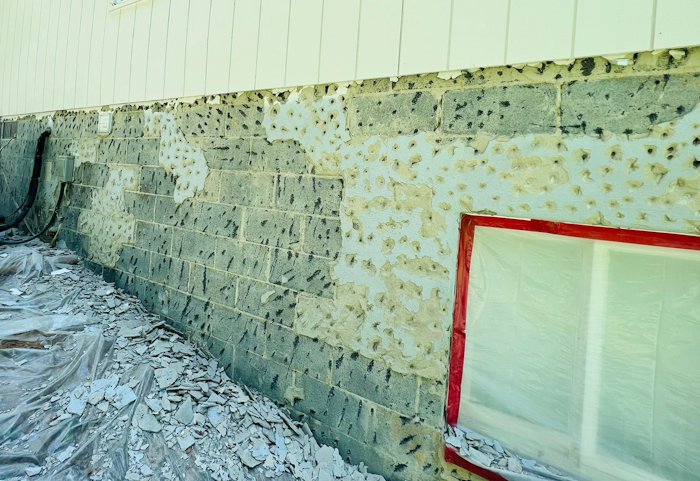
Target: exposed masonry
column 309, row 239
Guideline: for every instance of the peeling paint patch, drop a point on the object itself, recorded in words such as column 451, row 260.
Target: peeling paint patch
column 107, row 221
column 182, row 160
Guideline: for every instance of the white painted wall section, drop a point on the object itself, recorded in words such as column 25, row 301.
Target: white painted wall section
column 64, row 54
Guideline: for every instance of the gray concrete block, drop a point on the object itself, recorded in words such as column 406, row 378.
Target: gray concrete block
column 76, row 241
column 506, row 110
column 224, row 323
column 302, row 272
column 202, row 121
column 134, row 261
column 154, row 180
column 374, row 380
column 81, row 196
column 250, row 335
column 218, row 219
column 141, row 206
column 322, row 237
column 250, row 260
column 153, row 237
column 308, row 356
column 168, row 212
column 194, row 246
column 246, row 188
column 312, row 195
column 153, row 296
column 170, row 271
column 340, row 410
column 273, row 228
column 128, row 124
column 95, row 175
column 393, row 113
column 627, row 105
column 270, row 302
column 410, row 446
column 431, row 402
column 278, row 156
column 142, row 151
column 226, row 154
column 112, row 151
column 223, row 351
column 214, row 285
column 245, row 118
column 268, row 377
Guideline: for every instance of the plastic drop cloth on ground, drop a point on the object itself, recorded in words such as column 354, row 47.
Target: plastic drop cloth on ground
column 94, row 387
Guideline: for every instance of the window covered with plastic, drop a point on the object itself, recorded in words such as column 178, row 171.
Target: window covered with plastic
column 581, row 351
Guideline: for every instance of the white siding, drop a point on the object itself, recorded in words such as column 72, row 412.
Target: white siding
column 62, row 54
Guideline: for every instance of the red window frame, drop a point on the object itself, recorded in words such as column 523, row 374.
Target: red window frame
column 466, row 243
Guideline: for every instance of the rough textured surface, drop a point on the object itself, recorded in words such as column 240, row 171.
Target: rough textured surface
column 318, row 254
column 507, row 110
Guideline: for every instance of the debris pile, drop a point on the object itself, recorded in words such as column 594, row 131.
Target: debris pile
column 488, row 453
column 94, row 387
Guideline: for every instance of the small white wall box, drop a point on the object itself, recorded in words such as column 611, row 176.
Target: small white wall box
column 64, row 168
column 104, row 123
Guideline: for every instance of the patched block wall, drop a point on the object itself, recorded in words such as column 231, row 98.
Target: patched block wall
column 309, row 238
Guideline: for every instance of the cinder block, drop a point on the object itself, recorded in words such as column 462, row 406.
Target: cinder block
column 127, row 124
column 250, row 336
column 340, row 410
column 170, row 271
column 218, row 219
column 214, row 285
column 226, row 154
column 168, row 212
column 322, row 237
column 312, row 195
column 142, row 151
column 95, row 175
column 245, row 118
column 223, row 351
column 153, row 237
column 154, row 180
column 202, row 121
column 230, row 325
column 268, row 377
column 194, row 246
column 153, row 296
column 374, row 380
column 506, row 110
column 274, row 228
column 410, row 445
column 112, row 151
column 246, row 188
column 393, row 113
column 81, row 196
column 279, row 156
column 141, row 206
column 308, row 356
column 431, row 402
column 134, row 261
column 302, row 272
column 627, row 105
column 242, row 258
column 270, row 302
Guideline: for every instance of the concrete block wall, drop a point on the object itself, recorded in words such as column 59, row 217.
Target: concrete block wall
column 308, row 239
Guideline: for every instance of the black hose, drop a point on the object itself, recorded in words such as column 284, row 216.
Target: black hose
column 43, row 231
column 29, row 199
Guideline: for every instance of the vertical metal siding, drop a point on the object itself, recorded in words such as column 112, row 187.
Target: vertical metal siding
column 61, row 54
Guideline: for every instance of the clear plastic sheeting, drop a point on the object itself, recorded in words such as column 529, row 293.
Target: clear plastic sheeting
column 94, row 387
column 584, row 355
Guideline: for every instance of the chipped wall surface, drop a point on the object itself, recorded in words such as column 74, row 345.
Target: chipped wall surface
column 309, row 238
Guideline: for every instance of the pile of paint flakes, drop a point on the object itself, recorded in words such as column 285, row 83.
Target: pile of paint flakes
column 94, row 387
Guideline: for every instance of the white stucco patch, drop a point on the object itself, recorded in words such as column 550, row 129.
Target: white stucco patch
column 404, row 196
column 107, row 222
column 178, row 157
